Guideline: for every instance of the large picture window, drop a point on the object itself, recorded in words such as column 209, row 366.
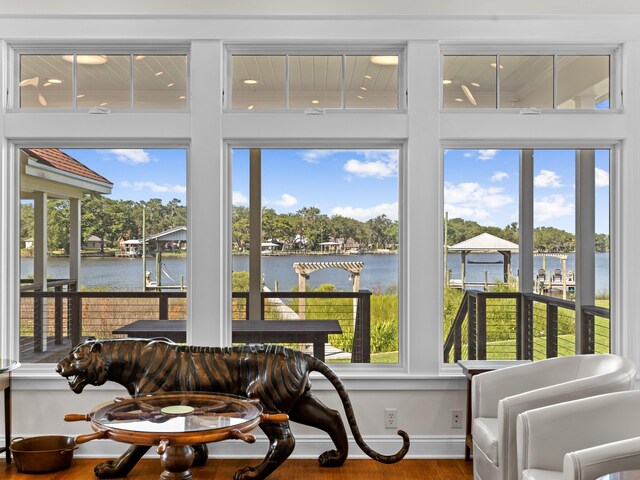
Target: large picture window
column 315, row 246
column 103, row 236
column 526, row 253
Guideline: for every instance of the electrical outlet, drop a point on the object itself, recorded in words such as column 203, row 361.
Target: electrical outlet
column 456, row 418
column 390, row 418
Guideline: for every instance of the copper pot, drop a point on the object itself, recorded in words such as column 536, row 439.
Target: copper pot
column 48, row 453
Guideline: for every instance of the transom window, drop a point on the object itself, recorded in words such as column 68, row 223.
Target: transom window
column 527, row 81
column 119, row 81
column 292, row 81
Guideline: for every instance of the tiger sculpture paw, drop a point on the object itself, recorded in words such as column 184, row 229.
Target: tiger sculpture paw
column 275, row 376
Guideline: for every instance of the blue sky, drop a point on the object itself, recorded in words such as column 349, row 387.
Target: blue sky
column 360, row 184
column 139, row 174
column 482, row 185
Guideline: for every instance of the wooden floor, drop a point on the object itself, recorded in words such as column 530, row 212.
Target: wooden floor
column 82, row 469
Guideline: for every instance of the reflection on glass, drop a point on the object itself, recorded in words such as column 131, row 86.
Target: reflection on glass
column 160, row 81
column 315, row 81
column 259, row 82
column 104, row 84
column 526, row 81
column 582, row 81
column 46, row 81
column 469, row 81
column 371, row 81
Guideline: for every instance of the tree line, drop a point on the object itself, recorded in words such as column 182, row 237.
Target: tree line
column 307, row 228
column 106, row 218
column 545, row 239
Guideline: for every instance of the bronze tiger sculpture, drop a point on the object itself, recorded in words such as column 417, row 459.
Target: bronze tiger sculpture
column 276, row 376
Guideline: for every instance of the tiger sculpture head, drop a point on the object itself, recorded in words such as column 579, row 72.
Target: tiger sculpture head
column 85, row 365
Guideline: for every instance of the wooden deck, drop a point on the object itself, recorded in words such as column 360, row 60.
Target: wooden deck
column 53, row 354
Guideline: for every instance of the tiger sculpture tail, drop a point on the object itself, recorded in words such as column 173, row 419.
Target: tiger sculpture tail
column 275, row 376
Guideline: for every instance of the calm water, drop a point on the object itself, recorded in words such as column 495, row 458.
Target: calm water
column 380, row 271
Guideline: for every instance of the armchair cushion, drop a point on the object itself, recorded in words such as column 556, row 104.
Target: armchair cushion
column 537, row 474
column 485, row 435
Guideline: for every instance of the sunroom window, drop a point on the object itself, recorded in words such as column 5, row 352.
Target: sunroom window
column 114, row 81
column 527, row 81
column 322, row 80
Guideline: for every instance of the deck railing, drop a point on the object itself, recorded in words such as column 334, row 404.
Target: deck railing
column 519, row 326
column 62, row 316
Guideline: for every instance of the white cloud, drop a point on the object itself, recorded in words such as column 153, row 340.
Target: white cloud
column 486, row 154
column 130, row 156
column 473, row 201
column 377, row 169
column 154, row 187
column 547, row 178
column 498, row 176
column 364, row 214
column 553, row 206
column 602, row 178
column 238, row 198
column 286, row 200
column 467, row 155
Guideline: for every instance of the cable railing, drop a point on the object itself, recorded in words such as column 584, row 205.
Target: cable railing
column 56, row 319
column 518, row 326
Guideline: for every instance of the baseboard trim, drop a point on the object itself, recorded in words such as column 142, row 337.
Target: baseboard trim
column 310, row 446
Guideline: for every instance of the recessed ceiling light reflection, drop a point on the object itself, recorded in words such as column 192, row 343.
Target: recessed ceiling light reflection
column 159, row 73
column 33, row 82
column 80, row 96
column 47, row 84
column 367, row 77
column 446, row 82
column 140, row 57
column 469, row 95
column 104, row 104
column 494, row 65
column 250, row 107
column 384, row 59
column 360, row 97
column 458, row 99
column 363, row 88
column 182, row 97
column 250, row 81
column 171, row 85
column 54, row 80
column 475, row 84
column 42, row 100
column 315, row 102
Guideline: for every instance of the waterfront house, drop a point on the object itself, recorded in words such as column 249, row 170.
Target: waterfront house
column 94, row 241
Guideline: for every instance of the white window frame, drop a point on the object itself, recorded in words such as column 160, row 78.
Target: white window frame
column 614, row 51
column 369, row 369
column 617, row 328
column 160, row 49
column 328, row 49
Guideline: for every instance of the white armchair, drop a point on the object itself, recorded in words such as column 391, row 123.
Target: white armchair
column 580, row 440
column 498, row 397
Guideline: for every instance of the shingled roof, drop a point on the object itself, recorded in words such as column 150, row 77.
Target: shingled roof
column 54, row 157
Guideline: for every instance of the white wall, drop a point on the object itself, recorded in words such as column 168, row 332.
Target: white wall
column 423, row 390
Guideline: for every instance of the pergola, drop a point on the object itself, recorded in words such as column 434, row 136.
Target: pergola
column 50, row 174
column 486, row 243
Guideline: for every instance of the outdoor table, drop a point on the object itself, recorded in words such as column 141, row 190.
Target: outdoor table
column 244, row 331
column 174, row 422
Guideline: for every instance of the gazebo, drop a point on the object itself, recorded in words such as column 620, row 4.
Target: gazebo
column 50, row 174
column 485, row 243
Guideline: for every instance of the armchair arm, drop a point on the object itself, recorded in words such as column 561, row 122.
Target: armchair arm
column 594, row 462
column 545, row 435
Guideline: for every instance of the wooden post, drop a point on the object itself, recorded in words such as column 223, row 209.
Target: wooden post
column 158, row 269
column 302, row 287
column 40, row 259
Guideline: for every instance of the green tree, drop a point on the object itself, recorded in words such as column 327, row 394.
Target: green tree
column 58, row 225
column 26, row 221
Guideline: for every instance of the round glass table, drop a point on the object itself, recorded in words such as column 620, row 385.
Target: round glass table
column 174, row 422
